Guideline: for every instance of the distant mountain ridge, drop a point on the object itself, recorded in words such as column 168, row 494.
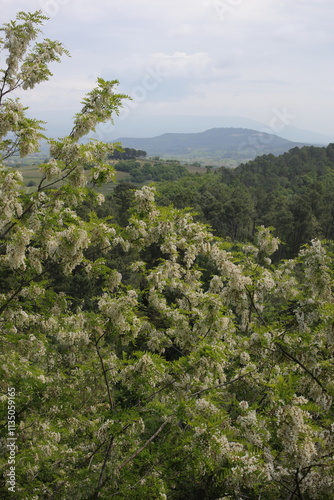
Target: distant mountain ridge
column 215, row 145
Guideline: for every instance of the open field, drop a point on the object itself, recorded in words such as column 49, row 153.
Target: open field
column 32, row 176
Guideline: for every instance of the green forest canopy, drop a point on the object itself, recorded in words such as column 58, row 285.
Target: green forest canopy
column 293, row 192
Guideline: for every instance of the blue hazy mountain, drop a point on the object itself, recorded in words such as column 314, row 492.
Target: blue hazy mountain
column 213, row 145
column 137, row 124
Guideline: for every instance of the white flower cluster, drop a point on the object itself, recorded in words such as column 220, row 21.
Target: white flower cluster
column 266, row 241
column 253, row 428
column 158, row 341
column 104, row 430
column 145, row 200
column 206, row 407
column 138, row 266
column 169, row 247
column 34, row 69
column 168, row 272
column 185, row 235
column 11, row 114
column 114, row 280
column 51, row 169
column 67, row 246
column 16, row 248
column 228, row 269
column 10, row 206
column 297, row 435
column 17, row 39
column 102, row 172
column 78, row 178
column 137, row 229
column 190, row 255
column 316, row 484
column 234, row 292
column 251, row 250
column 142, row 372
column 72, row 336
column 100, row 198
column 306, row 316
column 286, row 284
column 102, row 236
column 35, row 257
column 98, row 106
column 264, row 286
column 317, row 270
column 67, row 151
column 121, row 314
column 124, row 243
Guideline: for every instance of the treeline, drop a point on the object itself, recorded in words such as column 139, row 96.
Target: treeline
column 293, row 192
column 126, row 154
column 155, row 170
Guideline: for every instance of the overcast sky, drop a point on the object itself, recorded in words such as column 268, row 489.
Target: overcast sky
column 265, row 60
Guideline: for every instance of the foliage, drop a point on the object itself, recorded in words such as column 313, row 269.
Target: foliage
column 24, row 70
column 158, row 171
column 151, row 359
column 292, row 192
column 152, row 171
column 127, row 165
column 127, row 154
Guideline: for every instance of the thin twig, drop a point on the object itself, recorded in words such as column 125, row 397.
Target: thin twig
column 288, row 355
column 104, row 371
column 136, row 453
column 105, row 462
column 225, row 383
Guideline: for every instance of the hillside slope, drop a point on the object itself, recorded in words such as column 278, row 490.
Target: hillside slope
column 214, row 145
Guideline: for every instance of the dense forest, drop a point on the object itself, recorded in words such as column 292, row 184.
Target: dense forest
column 293, row 192
column 155, row 170
column 148, row 351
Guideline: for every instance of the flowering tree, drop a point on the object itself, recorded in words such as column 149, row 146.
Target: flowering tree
column 196, row 372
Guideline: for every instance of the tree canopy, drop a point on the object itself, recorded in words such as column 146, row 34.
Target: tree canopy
column 127, row 154
column 148, row 357
column 292, row 192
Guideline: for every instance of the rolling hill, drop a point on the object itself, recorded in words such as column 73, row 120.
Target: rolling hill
column 215, row 146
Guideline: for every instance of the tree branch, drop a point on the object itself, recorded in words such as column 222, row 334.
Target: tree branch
column 285, row 352
column 225, row 383
column 56, row 181
column 144, row 445
column 23, row 284
column 293, row 358
column 104, row 371
column 100, row 483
